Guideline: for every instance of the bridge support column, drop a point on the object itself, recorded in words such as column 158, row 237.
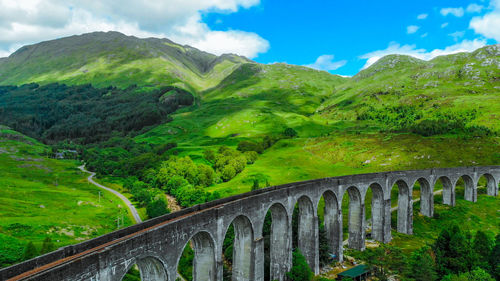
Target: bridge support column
column 258, row 266
column 308, row 241
column 470, row 189
column 492, row 186
column 280, row 244
column 387, row 221
column 470, row 194
column 426, row 200
column 340, row 246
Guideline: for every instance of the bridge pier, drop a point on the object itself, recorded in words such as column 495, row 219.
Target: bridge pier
column 492, row 185
column 357, row 223
column 387, row 236
column 280, row 243
column 426, row 198
column 470, row 189
column 308, row 236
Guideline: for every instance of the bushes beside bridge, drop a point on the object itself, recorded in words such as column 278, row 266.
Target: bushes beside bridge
column 454, row 256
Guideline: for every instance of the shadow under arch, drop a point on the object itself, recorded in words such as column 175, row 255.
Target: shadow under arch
column 242, row 248
column 426, row 197
column 204, row 256
column 405, row 208
column 279, row 242
column 150, row 268
column 377, row 211
column 355, row 219
column 491, row 184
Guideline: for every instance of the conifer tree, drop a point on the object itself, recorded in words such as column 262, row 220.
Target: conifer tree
column 29, row 251
column 47, row 246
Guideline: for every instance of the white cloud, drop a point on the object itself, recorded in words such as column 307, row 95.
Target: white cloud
column 422, row 16
column 424, row 35
column 30, row 21
column 443, row 25
column 457, row 12
column 411, row 50
column 457, row 35
column 474, row 8
column 488, row 25
column 325, row 62
column 412, row 29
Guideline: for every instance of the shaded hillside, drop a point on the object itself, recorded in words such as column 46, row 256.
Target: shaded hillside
column 460, row 86
column 85, row 114
column 111, row 58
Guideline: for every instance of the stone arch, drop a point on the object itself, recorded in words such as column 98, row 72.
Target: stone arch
column 377, row 211
column 151, row 268
column 307, row 239
column 356, row 237
column 491, row 184
column 470, row 192
column 204, row 256
column 243, row 255
column 280, row 244
column 405, row 208
column 426, row 197
column 448, row 190
column 332, row 223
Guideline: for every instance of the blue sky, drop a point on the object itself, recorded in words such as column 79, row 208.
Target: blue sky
column 341, row 37
column 300, row 31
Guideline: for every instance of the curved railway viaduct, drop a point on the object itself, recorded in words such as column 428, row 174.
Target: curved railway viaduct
column 157, row 244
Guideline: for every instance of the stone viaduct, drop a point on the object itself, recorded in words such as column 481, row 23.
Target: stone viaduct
column 157, row 244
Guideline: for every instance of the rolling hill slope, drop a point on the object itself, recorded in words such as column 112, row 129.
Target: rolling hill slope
column 460, row 84
column 44, row 197
column 111, row 58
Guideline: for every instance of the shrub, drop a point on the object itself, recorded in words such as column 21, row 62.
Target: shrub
column 300, row 270
column 290, row 132
column 157, row 207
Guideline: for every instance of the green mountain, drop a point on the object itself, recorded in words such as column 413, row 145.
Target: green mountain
column 111, row 58
column 464, row 83
column 344, row 125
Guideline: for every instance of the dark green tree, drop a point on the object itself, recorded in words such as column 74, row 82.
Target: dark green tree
column 300, row 270
column 478, row 274
column 453, row 251
column 494, row 259
column 290, row 132
column 157, row 207
column 29, row 251
column 255, row 185
column 482, row 247
column 47, row 246
column 421, row 265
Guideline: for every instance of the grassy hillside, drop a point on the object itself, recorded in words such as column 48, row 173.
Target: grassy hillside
column 461, row 86
column 44, row 197
column 113, row 59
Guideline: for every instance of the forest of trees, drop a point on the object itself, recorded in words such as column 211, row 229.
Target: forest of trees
column 454, row 256
column 84, row 114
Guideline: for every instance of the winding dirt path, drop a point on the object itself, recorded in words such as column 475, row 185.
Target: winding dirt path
column 125, row 200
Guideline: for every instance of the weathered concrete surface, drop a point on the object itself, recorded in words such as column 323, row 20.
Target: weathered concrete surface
column 156, row 245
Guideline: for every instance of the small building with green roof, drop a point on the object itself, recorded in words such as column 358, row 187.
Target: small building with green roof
column 360, row 272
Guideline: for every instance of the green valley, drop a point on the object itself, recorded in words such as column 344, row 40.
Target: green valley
column 152, row 117
column 43, row 197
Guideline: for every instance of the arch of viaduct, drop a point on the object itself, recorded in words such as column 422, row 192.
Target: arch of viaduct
column 156, row 245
